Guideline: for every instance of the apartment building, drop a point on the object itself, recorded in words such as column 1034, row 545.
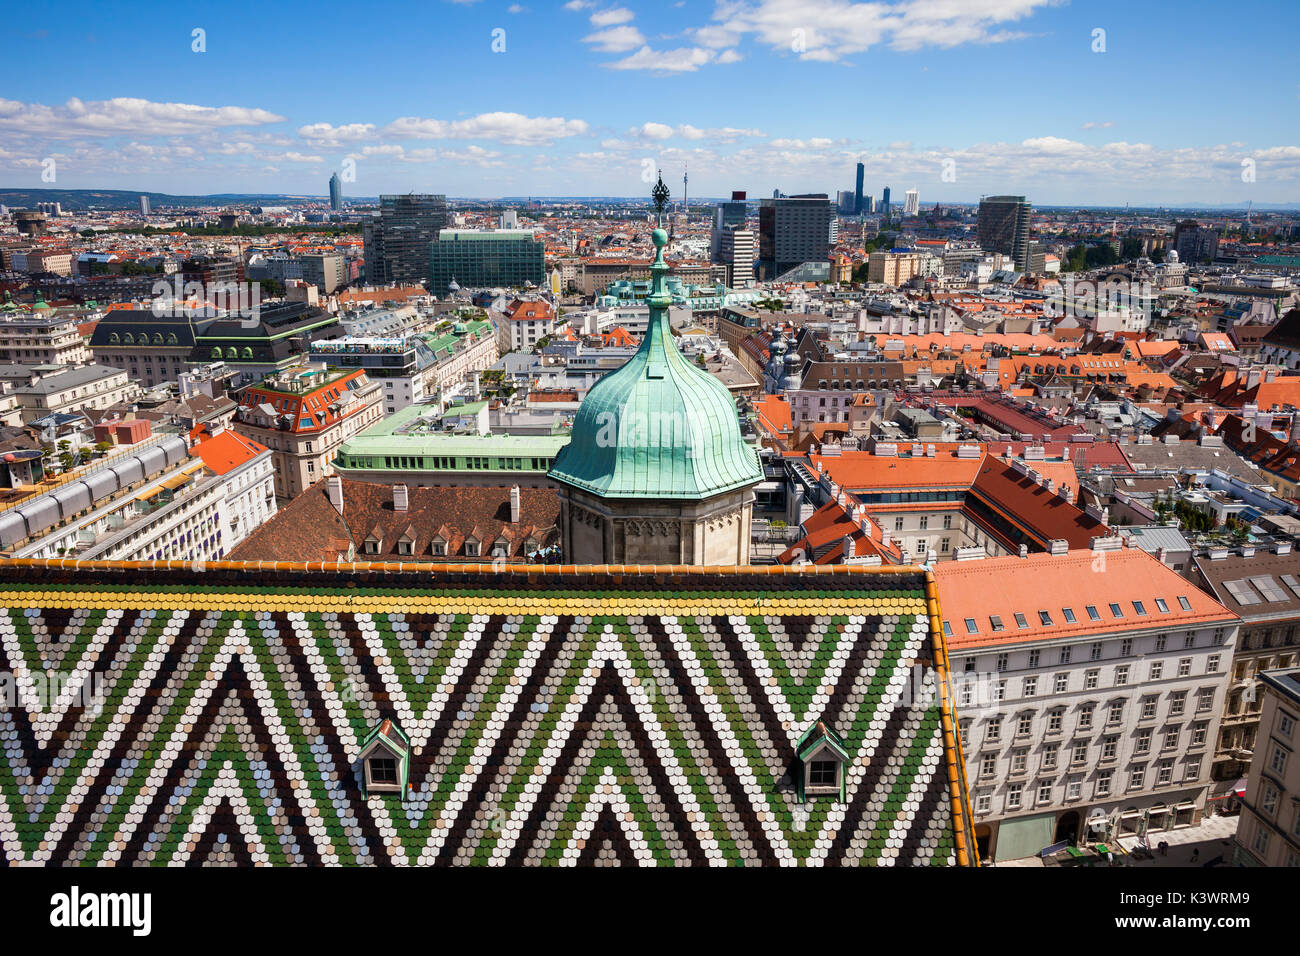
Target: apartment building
column 1089, row 688
column 1268, row 832
column 303, row 413
column 152, row 349
column 41, row 391
column 153, row 502
column 943, row 505
column 248, row 499
column 41, row 338
column 1263, row 587
column 524, row 323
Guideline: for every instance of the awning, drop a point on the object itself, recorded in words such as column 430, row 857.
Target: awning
column 1184, row 806
column 1223, row 791
column 175, row 481
column 149, row 493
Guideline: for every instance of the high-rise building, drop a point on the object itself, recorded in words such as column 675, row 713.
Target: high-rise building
column 1004, row 227
column 793, row 230
column 857, row 193
column 727, row 215
column 845, row 203
column 1195, row 243
column 884, row 203
column 911, row 203
column 336, row 192
column 397, row 239
column 144, row 205
column 736, row 251
column 481, row 259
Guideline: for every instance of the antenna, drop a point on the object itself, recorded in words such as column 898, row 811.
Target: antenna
column 686, row 203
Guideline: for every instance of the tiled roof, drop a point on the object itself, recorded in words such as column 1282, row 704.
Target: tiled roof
column 1004, row 587
column 589, row 715
column 227, row 450
column 308, row 528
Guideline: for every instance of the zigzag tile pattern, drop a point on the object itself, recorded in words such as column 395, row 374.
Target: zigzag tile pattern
column 629, row 722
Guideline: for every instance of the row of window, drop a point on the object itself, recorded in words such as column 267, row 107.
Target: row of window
column 1086, row 714
column 1097, row 650
column 1080, row 750
column 1060, row 683
column 447, row 463
column 1045, row 619
column 1044, row 791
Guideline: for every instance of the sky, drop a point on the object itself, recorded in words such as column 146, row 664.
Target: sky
column 1148, row 102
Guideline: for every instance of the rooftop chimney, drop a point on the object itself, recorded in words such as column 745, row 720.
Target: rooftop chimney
column 1024, row 551
column 400, row 499
column 514, row 505
column 1058, row 546
column 334, row 485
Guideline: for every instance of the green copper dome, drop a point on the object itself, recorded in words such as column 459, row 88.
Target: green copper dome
column 659, row 426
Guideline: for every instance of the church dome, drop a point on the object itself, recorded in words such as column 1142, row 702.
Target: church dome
column 659, row 426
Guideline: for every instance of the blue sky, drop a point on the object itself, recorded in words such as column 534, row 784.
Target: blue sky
column 956, row 98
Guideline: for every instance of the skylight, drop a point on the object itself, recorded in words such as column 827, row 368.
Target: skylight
column 1044, row 619
column 1020, row 620
column 1140, row 608
column 996, row 622
column 1116, row 611
column 1092, row 613
column 1161, row 606
column 971, row 627
column 1269, row 588
column 1242, row 592
column 1185, row 604
column 1068, row 612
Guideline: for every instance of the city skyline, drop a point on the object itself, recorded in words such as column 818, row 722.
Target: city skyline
column 743, row 93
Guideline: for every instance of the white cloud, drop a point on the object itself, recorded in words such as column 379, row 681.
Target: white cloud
column 323, row 134
column 615, row 39
column 830, row 30
column 682, row 60
column 512, row 128
column 516, row 8
column 126, row 115
column 1093, row 125
column 609, row 18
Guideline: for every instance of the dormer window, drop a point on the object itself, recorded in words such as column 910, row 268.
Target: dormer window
column 471, row 548
column 385, row 760
column 823, row 760
column 372, row 545
column 501, row 548
column 439, row 547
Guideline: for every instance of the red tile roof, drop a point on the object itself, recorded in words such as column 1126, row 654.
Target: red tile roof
column 227, row 450
column 1076, row 580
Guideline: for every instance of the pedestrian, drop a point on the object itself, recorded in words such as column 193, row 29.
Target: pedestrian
column 1196, row 854
column 1164, row 848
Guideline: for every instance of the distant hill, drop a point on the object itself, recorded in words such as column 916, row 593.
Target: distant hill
column 75, row 199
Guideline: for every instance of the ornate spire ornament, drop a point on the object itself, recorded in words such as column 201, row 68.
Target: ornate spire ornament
column 660, row 196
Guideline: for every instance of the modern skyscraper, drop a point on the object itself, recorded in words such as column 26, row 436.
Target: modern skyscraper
column 727, row 215
column 336, row 192
column 911, row 203
column 793, row 230
column 397, row 239
column 731, row 243
column 845, row 203
column 1195, row 243
column 480, row 259
column 884, row 203
column 857, row 193
column 144, row 205
column 1004, row 227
